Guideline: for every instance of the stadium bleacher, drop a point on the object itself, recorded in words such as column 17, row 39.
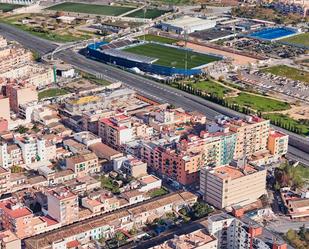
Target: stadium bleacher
column 130, row 56
column 116, row 44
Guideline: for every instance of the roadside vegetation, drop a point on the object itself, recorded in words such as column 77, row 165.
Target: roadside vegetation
column 297, row 126
column 288, row 72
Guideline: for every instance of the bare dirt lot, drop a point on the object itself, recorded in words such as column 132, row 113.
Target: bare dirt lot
column 238, row 59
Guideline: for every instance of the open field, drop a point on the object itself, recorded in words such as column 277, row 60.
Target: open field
column 301, row 39
column 287, row 121
column 259, row 103
column 91, row 8
column 46, row 27
column 54, row 92
column 6, row 7
column 172, row 57
column 157, row 38
column 288, row 72
column 211, row 87
column 150, row 13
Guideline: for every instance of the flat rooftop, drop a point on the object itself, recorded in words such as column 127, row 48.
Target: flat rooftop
column 188, row 21
column 233, row 172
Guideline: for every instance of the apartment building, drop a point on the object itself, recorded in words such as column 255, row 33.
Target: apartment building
column 19, row 95
column 226, row 186
column 16, row 218
column 4, row 180
column 35, row 149
column 199, row 239
column 8, row 240
column 278, row 143
column 4, row 124
column 10, row 155
column 33, row 74
column 105, row 225
column 252, row 135
column 130, row 166
column 116, row 130
column 83, row 164
column 12, row 56
column 5, row 108
column 300, row 7
column 233, row 233
column 62, row 205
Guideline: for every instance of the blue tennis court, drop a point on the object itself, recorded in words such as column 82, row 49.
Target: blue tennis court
column 273, row 33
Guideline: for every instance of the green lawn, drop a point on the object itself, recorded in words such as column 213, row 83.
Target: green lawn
column 259, row 103
column 287, row 121
column 157, row 38
column 6, row 7
column 288, row 72
column 172, row 57
column 303, row 171
column 150, row 13
column 91, row 8
column 158, row 192
column 54, row 92
column 301, row 39
column 211, row 87
column 94, row 79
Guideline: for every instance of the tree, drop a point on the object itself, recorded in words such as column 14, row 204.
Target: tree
column 201, row 209
column 119, row 236
column 22, row 129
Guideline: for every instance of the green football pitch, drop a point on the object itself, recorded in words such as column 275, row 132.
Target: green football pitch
column 6, row 7
column 172, row 57
column 150, row 13
column 91, row 8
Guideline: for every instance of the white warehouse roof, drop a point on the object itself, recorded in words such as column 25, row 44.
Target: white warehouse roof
column 188, row 22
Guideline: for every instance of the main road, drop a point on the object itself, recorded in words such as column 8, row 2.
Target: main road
column 298, row 148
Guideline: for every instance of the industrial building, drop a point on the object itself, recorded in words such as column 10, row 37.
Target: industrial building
column 188, row 24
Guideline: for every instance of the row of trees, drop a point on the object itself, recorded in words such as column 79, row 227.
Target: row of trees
column 286, row 125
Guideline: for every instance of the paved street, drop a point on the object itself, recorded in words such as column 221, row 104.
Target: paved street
column 149, row 88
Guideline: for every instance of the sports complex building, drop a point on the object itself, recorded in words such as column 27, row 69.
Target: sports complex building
column 151, row 57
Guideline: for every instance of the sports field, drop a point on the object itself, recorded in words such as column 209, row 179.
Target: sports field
column 6, row 7
column 301, row 39
column 288, row 72
column 172, row 57
column 91, row 8
column 150, row 13
column 157, row 38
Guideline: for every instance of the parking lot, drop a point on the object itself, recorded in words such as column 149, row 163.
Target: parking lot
column 270, row 82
